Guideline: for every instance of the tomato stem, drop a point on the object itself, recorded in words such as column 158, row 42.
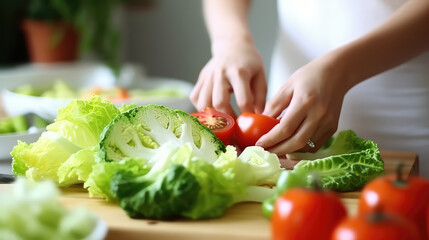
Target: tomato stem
column 399, row 181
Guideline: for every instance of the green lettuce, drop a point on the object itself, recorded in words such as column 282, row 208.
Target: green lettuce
column 159, row 163
column 345, row 163
column 65, row 152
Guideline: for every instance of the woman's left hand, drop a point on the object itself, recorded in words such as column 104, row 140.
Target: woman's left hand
column 309, row 104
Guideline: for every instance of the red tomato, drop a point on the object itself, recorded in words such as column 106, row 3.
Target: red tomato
column 251, row 126
column 220, row 123
column 408, row 198
column 427, row 223
column 306, row 214
column 376, row 226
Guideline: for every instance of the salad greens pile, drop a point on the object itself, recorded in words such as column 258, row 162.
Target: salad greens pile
column 154, row 161
column 33, row 211
column 160, row 163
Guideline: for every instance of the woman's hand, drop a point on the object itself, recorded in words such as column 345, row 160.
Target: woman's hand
column 236, row 66
column 310, row 104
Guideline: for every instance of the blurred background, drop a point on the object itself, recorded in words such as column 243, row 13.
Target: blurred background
column 127, row 51
column 165, row 37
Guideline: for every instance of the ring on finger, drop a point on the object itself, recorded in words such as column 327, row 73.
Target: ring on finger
column 311, row 143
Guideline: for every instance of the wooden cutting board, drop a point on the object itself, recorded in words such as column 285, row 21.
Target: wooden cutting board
column 241, row 221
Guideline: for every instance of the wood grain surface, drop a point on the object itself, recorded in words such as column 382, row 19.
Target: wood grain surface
column 241, row 221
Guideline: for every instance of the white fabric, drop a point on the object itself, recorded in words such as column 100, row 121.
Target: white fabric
column 391, row 108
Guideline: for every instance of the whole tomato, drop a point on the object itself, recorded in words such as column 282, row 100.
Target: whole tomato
column 408, row 198
column 376, row 226
column 306, row 214
column 251, row 126
column 220, row 123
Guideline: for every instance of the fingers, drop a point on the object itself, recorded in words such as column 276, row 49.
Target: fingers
column 240, row 82
column 198, row 94
column 215, row 84
column 278, row 103
column 259, row 90
column 294, row 116
column 221, row 94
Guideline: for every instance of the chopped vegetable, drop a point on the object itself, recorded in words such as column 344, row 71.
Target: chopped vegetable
column 222, row 124
column 141, row 130
column 33, row 211
column 162, row 164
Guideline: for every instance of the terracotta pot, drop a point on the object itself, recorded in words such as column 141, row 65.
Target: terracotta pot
column 51, row 41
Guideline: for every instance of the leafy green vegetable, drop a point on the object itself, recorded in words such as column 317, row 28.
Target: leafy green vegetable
column 167, row 196
column 178, row 184
column 98, row 182
column 33, row 211
column 65, row 152
column 160, row 163
column 141, row 130
column 77, row 167
column 345, row 163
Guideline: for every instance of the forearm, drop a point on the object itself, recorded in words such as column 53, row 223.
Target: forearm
column 226, row 20
column 402, row 37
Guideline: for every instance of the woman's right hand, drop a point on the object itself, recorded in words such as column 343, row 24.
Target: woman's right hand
column 236, row 66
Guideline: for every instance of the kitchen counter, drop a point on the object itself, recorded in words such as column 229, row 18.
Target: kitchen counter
column 241, row 221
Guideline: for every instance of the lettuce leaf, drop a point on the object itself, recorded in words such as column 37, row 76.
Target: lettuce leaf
column 65, row 152
column 347, row 164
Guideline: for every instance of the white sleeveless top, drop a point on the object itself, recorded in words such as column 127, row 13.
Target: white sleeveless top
column 391, row 108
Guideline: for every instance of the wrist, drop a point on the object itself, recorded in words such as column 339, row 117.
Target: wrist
column 233, row 41
column 347, row 71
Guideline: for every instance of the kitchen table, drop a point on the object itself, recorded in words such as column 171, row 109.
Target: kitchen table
column 241, row 221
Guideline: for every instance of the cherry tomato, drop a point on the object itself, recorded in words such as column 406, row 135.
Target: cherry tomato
column 220, row 123
column 376, row 226
column 407, row 198
column 306, row 214
column 251, row 126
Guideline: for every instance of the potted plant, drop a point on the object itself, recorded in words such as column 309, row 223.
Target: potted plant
column 57, row 29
